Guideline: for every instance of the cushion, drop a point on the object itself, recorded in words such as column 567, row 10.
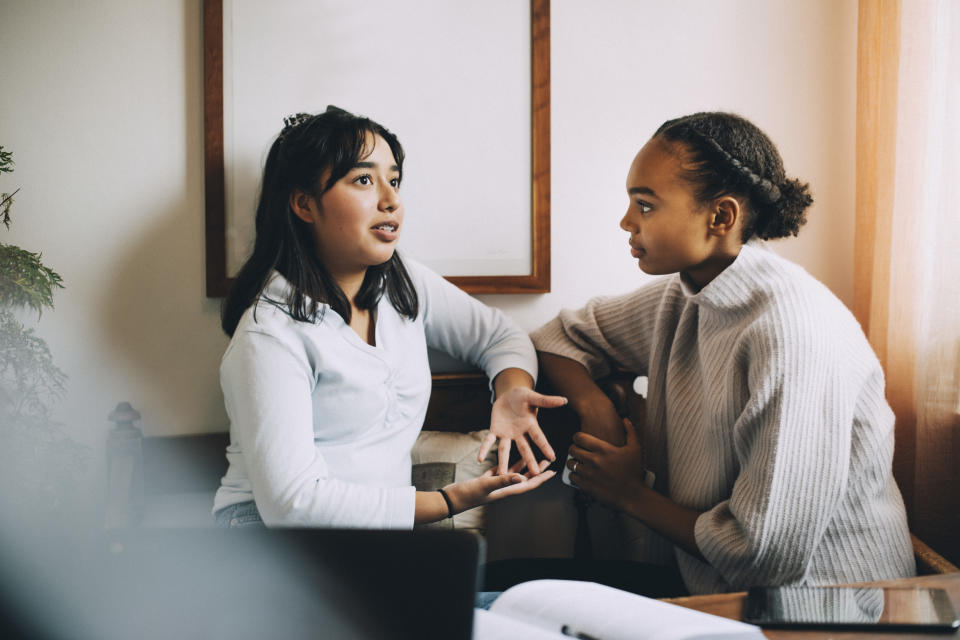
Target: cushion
column 442, row 457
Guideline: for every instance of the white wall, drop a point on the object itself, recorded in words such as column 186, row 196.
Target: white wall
column 101, row 103
column 621, row 68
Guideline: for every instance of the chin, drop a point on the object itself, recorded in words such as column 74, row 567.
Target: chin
column 383, row 258
column 653, row 270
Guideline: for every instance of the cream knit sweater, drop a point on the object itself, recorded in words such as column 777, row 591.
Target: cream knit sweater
column 766, row 410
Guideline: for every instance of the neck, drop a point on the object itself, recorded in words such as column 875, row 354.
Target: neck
column 703, row 274
column 349, row 282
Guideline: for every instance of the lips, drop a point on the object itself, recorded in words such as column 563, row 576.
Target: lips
column 637, row 252
column 386, row 231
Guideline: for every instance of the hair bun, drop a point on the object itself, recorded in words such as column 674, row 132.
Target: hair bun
column 768, row 192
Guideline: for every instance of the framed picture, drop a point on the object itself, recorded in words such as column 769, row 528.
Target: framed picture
column 465, row 86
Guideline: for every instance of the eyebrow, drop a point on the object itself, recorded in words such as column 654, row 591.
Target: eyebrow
column 642, row 191
column 373, row 165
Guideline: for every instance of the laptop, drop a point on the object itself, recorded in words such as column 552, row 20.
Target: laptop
column 260, row 583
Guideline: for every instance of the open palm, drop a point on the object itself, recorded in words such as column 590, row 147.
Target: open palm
column 514, row 420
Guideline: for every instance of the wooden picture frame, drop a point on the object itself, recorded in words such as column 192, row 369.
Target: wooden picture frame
column 218, row 281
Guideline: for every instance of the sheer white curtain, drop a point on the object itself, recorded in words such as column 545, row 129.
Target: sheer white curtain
column 930, row 199
column 908, row 249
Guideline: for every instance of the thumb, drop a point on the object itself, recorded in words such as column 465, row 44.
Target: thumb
column 508, row 479
column 631, row 432
column 547, row 402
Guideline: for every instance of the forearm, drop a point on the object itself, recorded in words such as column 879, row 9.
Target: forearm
column 666, row 517
column 430, row 507
column 598, row 415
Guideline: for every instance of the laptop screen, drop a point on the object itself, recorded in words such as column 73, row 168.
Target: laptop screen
column 263, row 583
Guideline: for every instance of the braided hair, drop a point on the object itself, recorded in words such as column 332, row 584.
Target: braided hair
column 725, row 154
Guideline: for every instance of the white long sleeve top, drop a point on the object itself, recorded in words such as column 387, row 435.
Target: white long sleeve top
column 767, row 405
column 322, row 423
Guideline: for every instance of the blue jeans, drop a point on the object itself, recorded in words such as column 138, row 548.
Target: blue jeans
column 239, row 516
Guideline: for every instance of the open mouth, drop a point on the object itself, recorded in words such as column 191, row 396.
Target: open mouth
column 387, row 226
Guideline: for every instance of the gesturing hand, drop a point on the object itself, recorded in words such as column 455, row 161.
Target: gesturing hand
column 490, row 486
column 513, row 420
column 609, row 473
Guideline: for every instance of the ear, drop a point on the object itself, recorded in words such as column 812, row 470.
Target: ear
column 302, row 204
column 724, row 216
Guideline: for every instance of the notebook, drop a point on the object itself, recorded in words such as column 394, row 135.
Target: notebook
column 263, row 583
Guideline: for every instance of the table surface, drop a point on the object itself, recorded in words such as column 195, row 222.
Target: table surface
column 730, row 605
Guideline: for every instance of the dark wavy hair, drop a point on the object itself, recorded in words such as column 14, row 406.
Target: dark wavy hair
column 725, row 154
column 307, row 147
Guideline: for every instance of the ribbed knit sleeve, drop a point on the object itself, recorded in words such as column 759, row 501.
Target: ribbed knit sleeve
column 607, row 333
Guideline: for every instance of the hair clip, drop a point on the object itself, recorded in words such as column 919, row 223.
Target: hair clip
column 291, row 122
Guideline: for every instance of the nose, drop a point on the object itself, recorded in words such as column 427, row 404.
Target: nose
column 627, row 224
column 389, row 199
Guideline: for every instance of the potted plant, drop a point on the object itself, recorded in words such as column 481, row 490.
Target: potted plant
column 39, row 463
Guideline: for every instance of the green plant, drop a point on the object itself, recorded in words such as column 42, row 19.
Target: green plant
column 29, row 380
column 38, row 459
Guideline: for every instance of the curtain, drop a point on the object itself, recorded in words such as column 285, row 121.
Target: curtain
column 907, row 246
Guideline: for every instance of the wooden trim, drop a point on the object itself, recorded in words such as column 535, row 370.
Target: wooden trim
column 538, row 281
column 929, row 561
column 213, row 165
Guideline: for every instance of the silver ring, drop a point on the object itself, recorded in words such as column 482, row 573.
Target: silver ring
column 576, row 463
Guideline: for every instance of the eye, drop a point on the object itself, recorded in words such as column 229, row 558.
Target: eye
column 395, row 183
column 363, row 179
column 645, row 207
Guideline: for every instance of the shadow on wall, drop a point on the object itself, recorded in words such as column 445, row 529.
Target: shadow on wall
column 155, row 313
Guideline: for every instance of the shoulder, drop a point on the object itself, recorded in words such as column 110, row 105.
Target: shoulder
column 266, row 329
column 649, row 296
column 794, row 313
column 787, row 293
column 434, row 291
column 423, row 277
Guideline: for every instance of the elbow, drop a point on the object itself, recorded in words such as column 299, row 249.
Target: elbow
column 277, row 514
column 775, row 568
column 746, row 558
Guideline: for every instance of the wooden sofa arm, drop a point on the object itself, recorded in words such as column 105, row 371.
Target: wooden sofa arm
column 929, row 561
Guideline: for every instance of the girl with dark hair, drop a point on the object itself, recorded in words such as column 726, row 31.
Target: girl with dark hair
column 767, row 430
column 326, row 379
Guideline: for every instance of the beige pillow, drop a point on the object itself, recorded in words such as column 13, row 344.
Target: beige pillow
column 442, row 457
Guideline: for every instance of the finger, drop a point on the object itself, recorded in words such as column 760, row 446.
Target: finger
column 522, row 487
column 527, row 454
column 505, row 480
column 589, row 442
column 485, row 447
column 518, row 466
column 532, row 483
column 541, row 467
column 631, row 431
column 536, row 435
column 582, row 455
column 547, row 402
column 503, row 455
